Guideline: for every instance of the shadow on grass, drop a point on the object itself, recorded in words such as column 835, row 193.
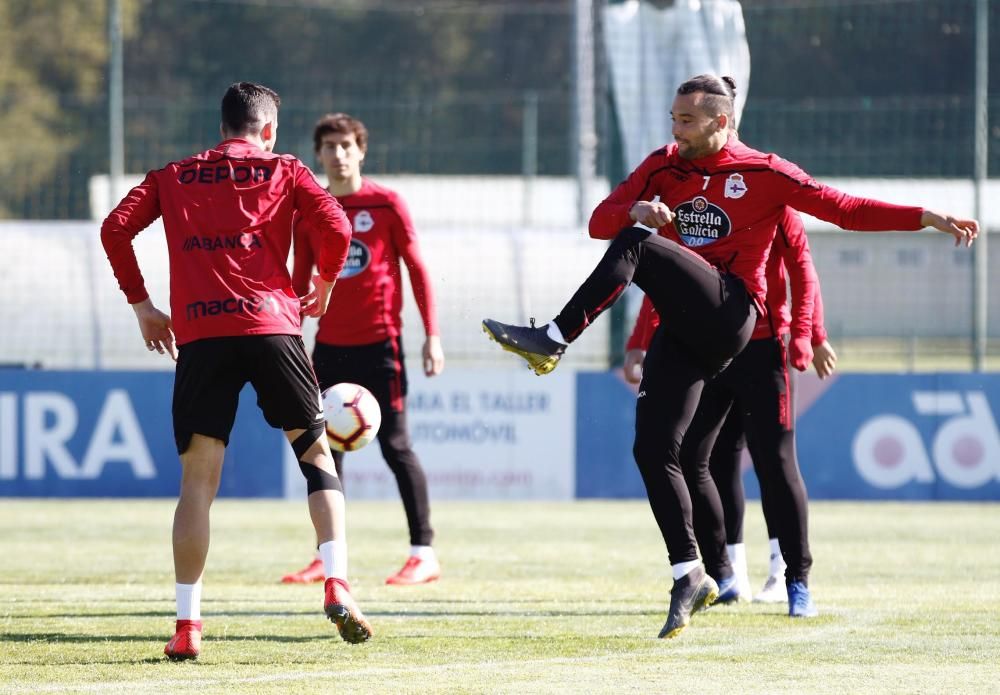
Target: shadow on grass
column 445, row 611
column 424, row 606
column 60, row 637
column 166, row 614
column 140, row 642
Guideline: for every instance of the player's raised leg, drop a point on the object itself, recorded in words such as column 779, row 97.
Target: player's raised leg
column 684, row 288
column 542, row 347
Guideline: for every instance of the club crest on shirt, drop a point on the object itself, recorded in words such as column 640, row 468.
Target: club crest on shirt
column 359, row 257
column 363, row 221
column 700, row 222
column 736, row 187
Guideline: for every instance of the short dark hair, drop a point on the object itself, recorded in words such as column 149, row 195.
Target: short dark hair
column 247, row 106
column 719, row 93
column 340, row 123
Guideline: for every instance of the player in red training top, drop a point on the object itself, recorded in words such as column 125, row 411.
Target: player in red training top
column 227, row 217
column 359, row 340
column 719, row 205
column 757, row 391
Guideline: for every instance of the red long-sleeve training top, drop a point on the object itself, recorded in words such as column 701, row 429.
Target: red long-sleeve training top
column 367, row 302
column 727, row 206
column 790, row 250
column 227, row 216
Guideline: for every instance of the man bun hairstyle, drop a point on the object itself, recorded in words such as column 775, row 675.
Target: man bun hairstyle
column 246, row 107
column 340, row 123
column 720, row 94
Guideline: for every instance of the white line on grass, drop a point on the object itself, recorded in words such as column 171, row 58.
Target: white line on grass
column 820, row 633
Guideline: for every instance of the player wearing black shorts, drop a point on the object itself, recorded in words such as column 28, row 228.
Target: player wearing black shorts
column 718, row 208
column 227, row 217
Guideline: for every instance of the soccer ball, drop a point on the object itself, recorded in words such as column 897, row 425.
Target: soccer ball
column 352, row 416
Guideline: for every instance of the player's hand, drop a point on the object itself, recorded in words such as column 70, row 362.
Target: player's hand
column 155, row 327
column 433, row 356
column 315, row 303
column 824, row 359
column 653, row 215
column 633, row 365
column 800, row 353
column 964, row 231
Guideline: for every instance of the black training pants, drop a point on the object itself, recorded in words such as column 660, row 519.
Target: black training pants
column 706, row 318
column 755, row 392
column 380, row 368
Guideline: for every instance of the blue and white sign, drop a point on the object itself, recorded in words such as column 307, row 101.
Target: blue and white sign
column 859, row 436
column 923, row 436
column 479, row 434
column 109, row 434
column 500, row 434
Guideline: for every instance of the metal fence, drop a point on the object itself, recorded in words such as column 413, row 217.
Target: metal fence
column 845, row 88
column 842, row 87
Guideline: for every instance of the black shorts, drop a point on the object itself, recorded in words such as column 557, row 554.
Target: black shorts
column 212, row 372
column 377, row 366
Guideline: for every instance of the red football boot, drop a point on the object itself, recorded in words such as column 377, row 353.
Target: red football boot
column 341, row 609
column 186, row 642
column 416, row 571
column 311, row 573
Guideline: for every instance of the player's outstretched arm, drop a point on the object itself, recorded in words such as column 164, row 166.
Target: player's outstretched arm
column 156, row 328
column 964, row 230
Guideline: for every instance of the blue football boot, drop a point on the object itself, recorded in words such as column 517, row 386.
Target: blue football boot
column 800, row 603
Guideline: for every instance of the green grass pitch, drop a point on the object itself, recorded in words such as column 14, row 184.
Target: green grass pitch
column 535, row 598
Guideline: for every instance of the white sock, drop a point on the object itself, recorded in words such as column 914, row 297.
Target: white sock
column 777, row 562
column 737, row 553
column 334, row 556
column 424, row 552
column 188, row 601
column 681, row 569
column 552, row 330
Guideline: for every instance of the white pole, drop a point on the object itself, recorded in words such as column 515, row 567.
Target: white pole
column 116, row 127
column 584, row 143
column 116, row 156
column 980, row 282
column 529, row 154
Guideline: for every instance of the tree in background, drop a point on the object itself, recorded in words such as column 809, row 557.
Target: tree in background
column 53, row 68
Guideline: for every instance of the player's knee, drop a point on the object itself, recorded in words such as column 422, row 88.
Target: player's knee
column 651, row 444
column 644, row 457
column 401, row 460
column 305, row 440
column 397, row 445
column 317, row 479
column 629, row 236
